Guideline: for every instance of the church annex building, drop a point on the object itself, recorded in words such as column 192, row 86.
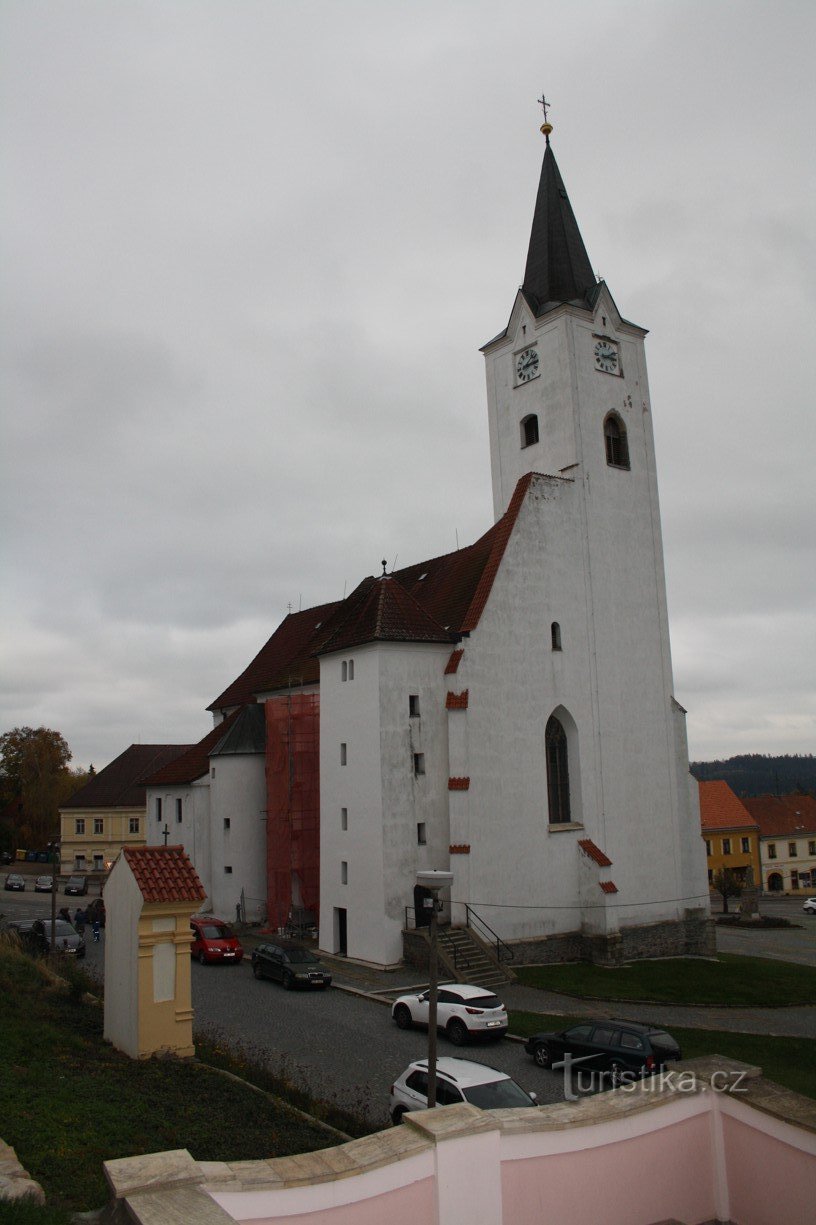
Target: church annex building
column 504, row 711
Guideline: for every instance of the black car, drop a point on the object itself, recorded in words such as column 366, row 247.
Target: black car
column 68, row 939
column 77, row 885
column 617, row 1049
column 290, row 964
column 15, row 881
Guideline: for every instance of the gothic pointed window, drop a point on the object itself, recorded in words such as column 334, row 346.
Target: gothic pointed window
column 617, row 446
column 529, row 431
column 555, row 739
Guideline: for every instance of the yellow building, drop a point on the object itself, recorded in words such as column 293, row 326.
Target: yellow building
column 731, row 834
column 109, row 812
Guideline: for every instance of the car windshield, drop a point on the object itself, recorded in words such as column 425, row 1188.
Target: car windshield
column 300, row 957
column 659, row 1037
column 498, row 1095
column 62, row 928
column 214, row 931
column 481, row 1001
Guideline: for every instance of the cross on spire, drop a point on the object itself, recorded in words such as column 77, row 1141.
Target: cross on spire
column 544, row 104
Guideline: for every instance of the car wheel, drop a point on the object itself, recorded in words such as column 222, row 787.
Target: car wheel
column 202, row 959
column 543, row 1055
column 402, row 1016
column 457, row 1032
column 616, row 1071
column 256, row 969
column 288, row 981
column 397, row 1115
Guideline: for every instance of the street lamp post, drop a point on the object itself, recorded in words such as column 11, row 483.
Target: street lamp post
column 434, row 882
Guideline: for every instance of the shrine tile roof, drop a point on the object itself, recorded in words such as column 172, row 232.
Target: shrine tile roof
column 594, row 852
column 783, row 816
column 164, row 874
column 448, row 593
column 194, row 763
column 122, row 783
column 720, row 808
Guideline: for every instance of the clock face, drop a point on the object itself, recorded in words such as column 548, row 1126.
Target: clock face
column 606, row 357
column 527, row 366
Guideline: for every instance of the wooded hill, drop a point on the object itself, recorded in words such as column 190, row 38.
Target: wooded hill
column 761, row 774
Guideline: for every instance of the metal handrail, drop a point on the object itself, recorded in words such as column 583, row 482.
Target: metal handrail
column 494, row 937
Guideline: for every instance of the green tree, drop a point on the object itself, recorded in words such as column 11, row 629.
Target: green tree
column 35, row 777
column 727, row 885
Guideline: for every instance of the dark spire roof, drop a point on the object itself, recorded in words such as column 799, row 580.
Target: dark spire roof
column 558, row 268
column 386, row 612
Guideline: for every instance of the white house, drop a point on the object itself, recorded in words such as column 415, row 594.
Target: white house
column 504, row 711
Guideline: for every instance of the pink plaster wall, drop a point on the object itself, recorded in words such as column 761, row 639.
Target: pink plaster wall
column 411, row 1205
column 768, row 1180
column 666, row 1173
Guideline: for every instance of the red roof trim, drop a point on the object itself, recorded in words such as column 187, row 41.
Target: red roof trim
column 164, row 874
column 459, row 848
column 453, row 663
column 504, row 529
column 457, row 701
column 458, row 784
column 594, row 852
column 608, row 886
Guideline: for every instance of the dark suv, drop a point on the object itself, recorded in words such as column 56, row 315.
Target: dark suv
column 77, row 886
column 290, row 964
column 620, row 1050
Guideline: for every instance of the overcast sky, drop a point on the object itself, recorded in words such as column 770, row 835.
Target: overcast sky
column 250, row 251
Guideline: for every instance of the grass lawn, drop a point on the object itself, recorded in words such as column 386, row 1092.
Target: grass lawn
column 788, row 1061
column 70, row 1101
column 752, row 982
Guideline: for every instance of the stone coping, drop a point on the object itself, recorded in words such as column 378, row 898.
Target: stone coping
column 421, row 1131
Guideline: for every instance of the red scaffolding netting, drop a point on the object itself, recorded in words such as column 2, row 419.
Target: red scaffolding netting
column 293, row 806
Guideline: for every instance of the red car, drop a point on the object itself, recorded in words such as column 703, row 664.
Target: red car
column 214, row 942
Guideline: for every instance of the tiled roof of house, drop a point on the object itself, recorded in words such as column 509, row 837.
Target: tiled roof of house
column 195, row 763
column 594, row 852
column 449, row 592
column 122, row 783
column 384, row 612
column 783, row 815
column 164, row 874
column 720, row 808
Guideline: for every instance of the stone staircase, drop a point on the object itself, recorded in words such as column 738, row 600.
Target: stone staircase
column 466, row 960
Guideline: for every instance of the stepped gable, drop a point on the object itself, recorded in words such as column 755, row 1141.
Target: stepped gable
column 195, row 763
column 720, row 808
column 122, row 783
column 386, row 613
column 783, row 816
column 164, row 874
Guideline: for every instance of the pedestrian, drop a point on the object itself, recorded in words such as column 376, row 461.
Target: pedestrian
column 96, row 929
column 80, row 919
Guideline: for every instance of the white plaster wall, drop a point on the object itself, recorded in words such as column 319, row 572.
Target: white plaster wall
column 238, row 793
column 192, row 832
column 385, row 801
column 123, row 906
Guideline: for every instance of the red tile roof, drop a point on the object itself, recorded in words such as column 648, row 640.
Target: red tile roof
column 122, row 783
column 194, row 763
column 453, row 663
column 459, row 848
column 608, row 886
column 451, row 590
column 458, row 701
column 164, row 874
column 594, row 852
column 720, row 808
column 384, row 612
column 458, row 784
column 783, row 815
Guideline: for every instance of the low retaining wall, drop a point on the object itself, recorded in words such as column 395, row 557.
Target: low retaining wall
column 715, row 1142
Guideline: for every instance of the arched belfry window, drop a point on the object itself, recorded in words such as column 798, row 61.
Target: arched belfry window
column 529, row 431
column 555, row 739
column 617, row 447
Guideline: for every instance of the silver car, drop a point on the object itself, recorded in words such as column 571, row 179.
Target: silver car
column 463, row 1012
column 457, row 1080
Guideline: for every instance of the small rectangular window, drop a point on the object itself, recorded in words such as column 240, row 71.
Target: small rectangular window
column 708, row 846
column 726, row 846
column 158, row 809
column 80, row 861
column 812, row 848
column 134, row 825
column 419, row 763
column 227, row 822
column 344, row 818
column 351, row 669
column 227, row 870
column 422, row 838
column 413, row 705
column 772, row 850
column 80, row 825
column 343, row 872
column 178, row 809
column 792, row 852
column 99, row 825
column 344, row 670
column 98, row 863
column 710, row 875
column 746, row 846
column 212, row 771
column 343, row 755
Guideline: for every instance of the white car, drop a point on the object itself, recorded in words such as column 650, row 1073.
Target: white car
column 457, row 1080
column 810, row 905
column 462, row 1012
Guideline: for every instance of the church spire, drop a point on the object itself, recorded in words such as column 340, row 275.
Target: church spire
column 558, row 267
